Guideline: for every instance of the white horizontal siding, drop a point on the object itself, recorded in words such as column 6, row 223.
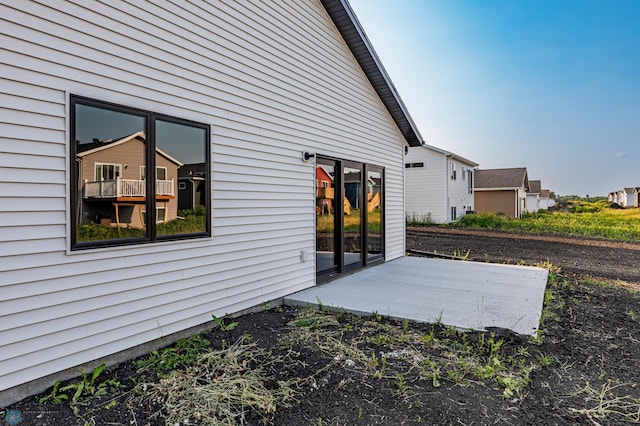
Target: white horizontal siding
column 29, row 147
column 426, row 187
column 459, row 190
column 273, row 79
column 394, row 208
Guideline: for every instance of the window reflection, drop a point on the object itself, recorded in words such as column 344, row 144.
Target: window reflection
column 325, row 215
column 374, row 212
column 352, row 181
column 185, row 211
column 113, row 198
column 110, row 148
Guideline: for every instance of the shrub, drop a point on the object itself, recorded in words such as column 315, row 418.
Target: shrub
column 486, row 220
column 415, row 219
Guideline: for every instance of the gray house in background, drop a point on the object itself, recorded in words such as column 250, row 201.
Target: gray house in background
column 192, row 186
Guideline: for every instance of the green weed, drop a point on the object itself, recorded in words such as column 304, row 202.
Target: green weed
column 183, row 353
column 401, row 385
column 54, row 396
column 81, row 393
column 224, row 326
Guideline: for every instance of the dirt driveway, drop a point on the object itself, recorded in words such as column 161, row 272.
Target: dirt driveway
column 585, row 257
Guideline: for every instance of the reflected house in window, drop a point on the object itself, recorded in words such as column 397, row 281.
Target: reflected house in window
column 324, row 190
column 113, row 182
column 352, row 188
column 374, row 189
column 192, row 186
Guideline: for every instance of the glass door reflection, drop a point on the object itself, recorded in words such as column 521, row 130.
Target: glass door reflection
column 352, row 217
column 375, row 209
column 326, row 259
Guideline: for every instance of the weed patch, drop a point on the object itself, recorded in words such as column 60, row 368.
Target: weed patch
column 226, row 386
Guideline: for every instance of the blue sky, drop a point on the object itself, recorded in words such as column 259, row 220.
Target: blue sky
column 551, row 85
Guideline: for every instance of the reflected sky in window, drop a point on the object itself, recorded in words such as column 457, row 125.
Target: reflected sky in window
column 102, row 124
column 184, row 143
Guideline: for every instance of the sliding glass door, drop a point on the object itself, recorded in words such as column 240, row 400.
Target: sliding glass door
column 352, row 214
column 349, row 216
column 326, row 258
column 375, row 217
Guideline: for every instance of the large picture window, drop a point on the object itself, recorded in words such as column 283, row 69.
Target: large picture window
column 113, row 202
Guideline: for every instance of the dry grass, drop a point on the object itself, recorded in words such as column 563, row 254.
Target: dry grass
column 226, row 387
column 410, row 355
column 606, row 403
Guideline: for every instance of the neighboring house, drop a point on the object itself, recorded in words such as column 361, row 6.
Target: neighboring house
column 501, row 190
column 352, row 189
column 612, row 197
column 552, row 200
column 631, row 195
column 533, row 196
column 438, row 184
column 324, row 190
column 627, row 197
column 249, row 97
column 113, row 187
column 544, row 199
column 192, row 186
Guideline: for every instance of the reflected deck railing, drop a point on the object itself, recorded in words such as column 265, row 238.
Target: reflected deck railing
column 125, row 188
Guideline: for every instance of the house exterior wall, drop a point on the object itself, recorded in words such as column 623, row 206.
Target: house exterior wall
column 500, row 201
column 532, row 202
column 264, row 75
column 426, row 187
column 622, row 198
column 431, row 191
column 544, row 203
column 630, row 199
column 458, row 190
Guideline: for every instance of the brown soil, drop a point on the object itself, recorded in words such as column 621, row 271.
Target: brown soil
column 584, row 369
column 585, row 257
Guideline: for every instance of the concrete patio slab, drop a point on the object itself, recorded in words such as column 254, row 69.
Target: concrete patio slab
column 467, row 295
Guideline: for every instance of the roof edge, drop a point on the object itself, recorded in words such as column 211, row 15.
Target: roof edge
column 450, row 155
column 354, row 36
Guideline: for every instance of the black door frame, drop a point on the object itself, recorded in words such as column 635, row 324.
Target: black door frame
column 339, row 267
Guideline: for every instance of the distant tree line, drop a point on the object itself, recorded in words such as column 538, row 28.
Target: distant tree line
column 563, row 198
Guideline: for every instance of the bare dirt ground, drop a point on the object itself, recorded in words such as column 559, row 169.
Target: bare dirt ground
column 585, row 257
column 305, row 367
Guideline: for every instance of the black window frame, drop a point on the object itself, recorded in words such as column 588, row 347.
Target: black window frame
column 413, row 165
column 150, row 149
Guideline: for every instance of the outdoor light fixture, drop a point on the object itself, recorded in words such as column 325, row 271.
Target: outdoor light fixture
column 306, row 156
